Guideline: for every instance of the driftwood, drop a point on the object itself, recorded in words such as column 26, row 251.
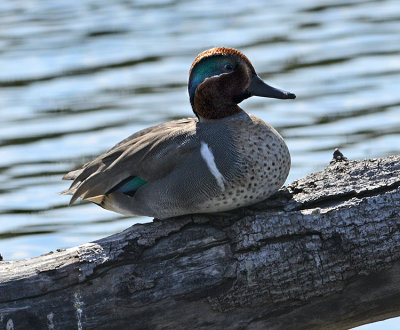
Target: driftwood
column 323, row 252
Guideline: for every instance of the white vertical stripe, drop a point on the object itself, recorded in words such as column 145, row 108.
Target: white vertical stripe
column 208, row 157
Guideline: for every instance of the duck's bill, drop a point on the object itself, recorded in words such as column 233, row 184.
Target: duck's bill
column 259, row 88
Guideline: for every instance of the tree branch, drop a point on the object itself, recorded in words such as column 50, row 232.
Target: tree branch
column 323, row 252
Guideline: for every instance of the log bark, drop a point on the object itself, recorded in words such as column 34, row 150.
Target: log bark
column 323, row 252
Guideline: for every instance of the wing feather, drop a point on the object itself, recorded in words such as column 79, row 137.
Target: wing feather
column 150, row 154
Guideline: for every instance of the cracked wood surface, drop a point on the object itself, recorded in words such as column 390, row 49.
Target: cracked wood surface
column 323, row 252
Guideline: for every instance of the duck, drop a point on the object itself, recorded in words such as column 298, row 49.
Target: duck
column 222, row 159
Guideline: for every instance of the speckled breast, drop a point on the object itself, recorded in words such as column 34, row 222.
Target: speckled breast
column 263, row 163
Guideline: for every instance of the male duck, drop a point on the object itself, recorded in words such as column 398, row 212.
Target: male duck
column 223, row 159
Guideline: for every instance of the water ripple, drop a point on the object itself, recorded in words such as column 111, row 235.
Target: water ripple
column 77, row 77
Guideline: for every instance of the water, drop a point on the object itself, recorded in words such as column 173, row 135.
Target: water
column 77, row 77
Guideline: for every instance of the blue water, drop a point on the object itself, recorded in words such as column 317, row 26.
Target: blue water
column 78, row 76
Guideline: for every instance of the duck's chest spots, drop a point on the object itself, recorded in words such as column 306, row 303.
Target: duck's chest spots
column 264, row 163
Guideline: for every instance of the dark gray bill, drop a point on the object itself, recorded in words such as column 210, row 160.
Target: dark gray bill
column 259, row 88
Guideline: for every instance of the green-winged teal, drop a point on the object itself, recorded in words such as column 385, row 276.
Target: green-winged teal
column 223, row 159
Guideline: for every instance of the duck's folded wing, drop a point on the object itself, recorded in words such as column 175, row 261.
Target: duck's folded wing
column 149, row 154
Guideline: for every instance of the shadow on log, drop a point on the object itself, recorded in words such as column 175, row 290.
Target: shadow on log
column 323, row 252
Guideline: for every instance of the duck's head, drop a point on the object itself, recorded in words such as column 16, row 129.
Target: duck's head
column 220, row 78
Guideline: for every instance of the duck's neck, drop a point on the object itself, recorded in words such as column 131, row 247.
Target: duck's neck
column 210, row 103
column 211, row 112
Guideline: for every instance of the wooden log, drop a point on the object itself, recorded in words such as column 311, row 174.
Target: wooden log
column 323, row 252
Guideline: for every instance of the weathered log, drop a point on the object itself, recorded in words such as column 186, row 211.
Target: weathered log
column 323, row 252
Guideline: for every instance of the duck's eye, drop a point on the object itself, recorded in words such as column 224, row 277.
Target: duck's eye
column 228, row 67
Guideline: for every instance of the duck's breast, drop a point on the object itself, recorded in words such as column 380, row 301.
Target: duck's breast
column 262, row 164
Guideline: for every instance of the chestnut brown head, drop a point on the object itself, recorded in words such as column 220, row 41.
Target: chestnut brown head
column 220, row 78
